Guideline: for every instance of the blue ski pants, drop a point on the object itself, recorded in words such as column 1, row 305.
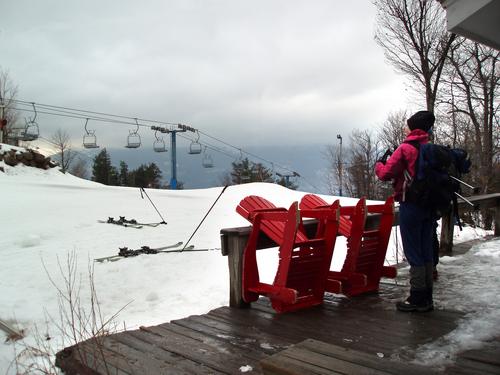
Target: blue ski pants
column 416, row 225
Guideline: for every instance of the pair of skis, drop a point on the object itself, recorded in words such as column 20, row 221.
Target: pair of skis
column 131, row 223
column 126, row 252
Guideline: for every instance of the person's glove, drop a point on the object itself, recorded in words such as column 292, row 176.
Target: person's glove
column 384, row 157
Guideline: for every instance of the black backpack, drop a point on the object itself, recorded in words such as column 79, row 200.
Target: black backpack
column 437, row 173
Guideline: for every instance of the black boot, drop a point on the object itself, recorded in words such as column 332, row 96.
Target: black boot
column 417, row 302
column 429, row 281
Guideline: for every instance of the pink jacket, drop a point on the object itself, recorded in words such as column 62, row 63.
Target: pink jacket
column 404, row 158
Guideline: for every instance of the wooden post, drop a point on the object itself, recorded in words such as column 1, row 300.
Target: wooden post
column 497, row 221
column 446, row 243
column 235, row 247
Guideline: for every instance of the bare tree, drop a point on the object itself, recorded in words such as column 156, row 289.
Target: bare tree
column 62, row 144
column 472, row 98
column 361, row 180
column 391, row 133
column 415, row 41
column 332, row 155
column 8, row 94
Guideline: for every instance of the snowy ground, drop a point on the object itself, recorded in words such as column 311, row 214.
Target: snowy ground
column 47, row 216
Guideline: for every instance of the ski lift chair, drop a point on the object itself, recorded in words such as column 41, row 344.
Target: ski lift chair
column 195, row 146
column 31, row 131
column 159, row 144
column 304, row 263
column 207, row 161
column 133, row 138
column 366, row 249
column 89, row 138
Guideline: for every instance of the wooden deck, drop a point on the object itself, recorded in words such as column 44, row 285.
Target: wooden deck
column 362, row 335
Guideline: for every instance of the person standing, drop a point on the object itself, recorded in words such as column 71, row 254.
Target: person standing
column 416, row 222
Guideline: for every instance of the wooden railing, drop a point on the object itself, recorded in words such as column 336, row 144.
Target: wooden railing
column 487, row 201
column 234, row 240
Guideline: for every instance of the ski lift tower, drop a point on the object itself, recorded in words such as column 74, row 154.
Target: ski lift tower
column 286, row 177
column 173, row 148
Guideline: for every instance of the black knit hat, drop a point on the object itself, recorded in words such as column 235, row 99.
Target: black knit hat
column 421, row 120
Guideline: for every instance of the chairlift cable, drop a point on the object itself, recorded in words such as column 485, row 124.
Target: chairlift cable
column 83, row 114
column 79, row 114
column 54, row 107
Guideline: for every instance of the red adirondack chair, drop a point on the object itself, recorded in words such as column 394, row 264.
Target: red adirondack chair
column 366, row 249
column 304, row 263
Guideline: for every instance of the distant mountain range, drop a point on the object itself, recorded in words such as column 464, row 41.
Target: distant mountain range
column 307, row 160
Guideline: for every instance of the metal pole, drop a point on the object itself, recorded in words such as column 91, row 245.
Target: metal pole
column 173, row 152
column 2, row 124
column 339, row 137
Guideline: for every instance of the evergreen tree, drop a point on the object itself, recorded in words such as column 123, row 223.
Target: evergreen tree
column 146, row 176
column 114, row 177
column 101, row 169
column 123, row 175
column 245, row 171
column 153, row 175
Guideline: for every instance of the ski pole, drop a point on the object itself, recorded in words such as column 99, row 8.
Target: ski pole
column 142, row 190
column 202, row 220
column 467, row 201
column 474, row 189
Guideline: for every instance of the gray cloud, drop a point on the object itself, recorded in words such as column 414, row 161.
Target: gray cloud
column 246, row 72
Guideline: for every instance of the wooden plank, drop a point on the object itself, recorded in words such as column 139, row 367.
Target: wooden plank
column 483, row 355
column 319, row 363
column 245, row 339
column 94, row 356
column 142, row 362
column 217, row 358
column 459, row 371
column 204, row 335
column 367, row 360
column 316, row 357
column 290, row 366
column 481, row 367
column 177, row 361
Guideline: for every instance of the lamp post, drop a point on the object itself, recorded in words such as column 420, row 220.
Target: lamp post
column 3, row 122
column 339, row 137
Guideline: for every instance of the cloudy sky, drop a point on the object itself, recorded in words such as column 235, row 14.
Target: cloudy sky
column 272, row 71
